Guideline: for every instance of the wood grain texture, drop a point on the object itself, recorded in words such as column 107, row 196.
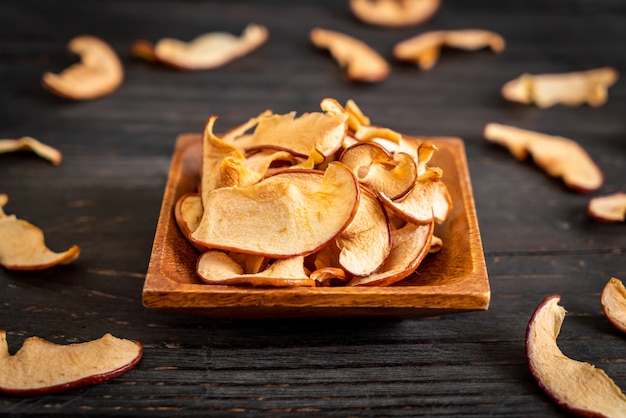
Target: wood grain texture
column 107, row 193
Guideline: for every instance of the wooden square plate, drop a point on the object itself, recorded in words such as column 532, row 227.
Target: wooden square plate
column 453, row 280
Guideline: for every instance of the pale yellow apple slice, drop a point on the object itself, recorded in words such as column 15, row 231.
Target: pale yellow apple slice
column 277, row 218
column 22, row 245
column 557, row 156
column 394, row 13
column 99, row 73
column 40, row 367
column 608, row 208
column 366, row 242
column 576, row 386
column 429, row 198
column 409, row 246
column 207, row 51
column 27, row 143
column 216, row 267
column 613, row 301
column 393, row 175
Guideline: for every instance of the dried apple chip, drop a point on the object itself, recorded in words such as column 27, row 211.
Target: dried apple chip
column 570, row 89
column 98, row 74
column 40, row 367
column 424, row 49
column 359, row 61
column 22, row 246
column 277, row 218
column 575, row 385
column 27, row 143
column 556, row 155
column 613, row 301
column 207, row 51
column 394, row 13
column 608, row 208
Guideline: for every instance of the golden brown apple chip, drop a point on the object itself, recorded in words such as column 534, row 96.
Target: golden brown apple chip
column 613, row 301
column 394, row 13
column 608, row 208
column 576, row 386
column 26, row 143
column 215, row 267
column 424, row 49
column 22, row 246
column 570, row 89
column 207, row 51
column 360, row 62
column 98, row 74
column 40, row 367
column 556, row 155
column 330, row 276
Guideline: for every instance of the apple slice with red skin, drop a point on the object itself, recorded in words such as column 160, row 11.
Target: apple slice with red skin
column 608, row 208
column 576, row 386
column 40, row 367
column 613, row 301
column 279, row 217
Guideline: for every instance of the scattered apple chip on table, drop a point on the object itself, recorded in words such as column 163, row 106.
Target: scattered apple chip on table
column 558, row 156
column 570, row 89
column 613, row 301
column 576, row 386
column 394, row 13
column 207, row 51
column 26, row 143
column 98, row 74
column 359, row 61
column 424, row 49
column 22, row 246
column 40, row 367
column 608, row 208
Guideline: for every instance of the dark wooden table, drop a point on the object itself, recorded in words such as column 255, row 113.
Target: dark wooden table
column 106, row 197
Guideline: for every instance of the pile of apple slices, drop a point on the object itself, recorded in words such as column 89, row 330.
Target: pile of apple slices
column 323, row 199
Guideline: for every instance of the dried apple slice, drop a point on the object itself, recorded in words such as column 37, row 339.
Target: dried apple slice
column 277, row 218
column 40, row 367
column 300, row 135
column 359, row 61
column 394, row 13
column 576, row 386
column 98, row 74
column 330, row 276
column 366, row 242
column 608, row 208
column 31, row 144
column 613, row 301
column 374, row 166
column 409, row 246
column 22, row 246
column 570, row 89
column 556, row 155
column 424, row 49
column 207, row 51
column 215, row 267
column 429, row 198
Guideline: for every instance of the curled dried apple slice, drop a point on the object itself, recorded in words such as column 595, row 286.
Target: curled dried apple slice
column 556, row 155
column 394, row 13
column 409, row 246
column 31, row 144
column 359, row 61
column 576, row 386
column 207, row 51
column 608, row 208
column 613, row 301
column 329, row 276
column 424, row 49
column 98, row 74
column 570, row 89
column 216, row 267
column 40, row 367
column 22, row 246
column 366, row 242
column 278, row 217
column 374, row 166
